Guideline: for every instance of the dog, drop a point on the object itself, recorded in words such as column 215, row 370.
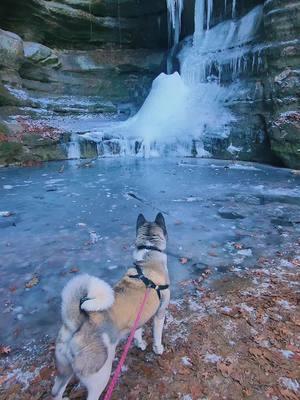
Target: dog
column 95, row 316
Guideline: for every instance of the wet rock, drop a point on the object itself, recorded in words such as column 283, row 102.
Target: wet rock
column 11, row 50
column 38, row 53
column 285, row 138
column 11, row 152
column 88, row 149
column 282, row 22
column 230, row 214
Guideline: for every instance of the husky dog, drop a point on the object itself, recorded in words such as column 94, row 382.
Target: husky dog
column 96, row 316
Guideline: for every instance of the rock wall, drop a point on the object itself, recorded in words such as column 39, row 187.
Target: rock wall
column 73, row 57
column 282, row 27
column 87, row 23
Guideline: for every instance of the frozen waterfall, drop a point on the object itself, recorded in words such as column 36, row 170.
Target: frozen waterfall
column 221, row 49
column 187, row 106
column 74, row 147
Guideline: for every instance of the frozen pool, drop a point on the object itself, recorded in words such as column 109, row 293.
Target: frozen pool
column 68, row 219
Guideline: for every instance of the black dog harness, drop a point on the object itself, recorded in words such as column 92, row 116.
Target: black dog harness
column 153, row 248
column 147, row 282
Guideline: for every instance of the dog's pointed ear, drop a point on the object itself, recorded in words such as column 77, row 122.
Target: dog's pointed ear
column 141, row 220
column 160, row 221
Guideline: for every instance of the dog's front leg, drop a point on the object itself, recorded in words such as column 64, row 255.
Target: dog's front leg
column 138, row 339
column 159, row 321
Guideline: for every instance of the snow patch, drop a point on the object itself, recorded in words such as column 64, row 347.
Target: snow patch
column 245, row 252
column 24, row 377
column 186, row 361
column 289, row 383
column 287, row 353
column 212, row 358
column 233, row 149
column 285, row 304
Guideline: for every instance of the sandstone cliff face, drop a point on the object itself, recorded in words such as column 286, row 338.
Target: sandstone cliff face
column 282, row 27
column 88, row 23
column 74, row 57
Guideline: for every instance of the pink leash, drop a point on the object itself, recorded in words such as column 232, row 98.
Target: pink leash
column 126, row 349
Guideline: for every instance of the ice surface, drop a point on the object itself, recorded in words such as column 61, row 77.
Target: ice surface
column 88, row 225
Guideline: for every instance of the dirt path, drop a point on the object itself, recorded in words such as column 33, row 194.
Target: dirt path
column 236, row 338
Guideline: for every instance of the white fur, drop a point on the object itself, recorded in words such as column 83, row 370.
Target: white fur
column 96, row 383
column 138, row 339
column 100, row 293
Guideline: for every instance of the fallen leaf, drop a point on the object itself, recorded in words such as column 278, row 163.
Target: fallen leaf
column 238, row 246
column 225, row 368
column 33, row 282
column 183, row 260
column 6, row 213
column 287, row 394
column 5, row 350
column 212, row 254
column 178, row 222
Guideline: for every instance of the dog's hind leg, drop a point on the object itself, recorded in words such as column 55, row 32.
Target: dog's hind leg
column 61, row 382
column 138, row 339
column 96, row 383
column 64, row 368
column 159, row 321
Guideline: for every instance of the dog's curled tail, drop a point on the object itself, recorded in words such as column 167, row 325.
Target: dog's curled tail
column 84, row 293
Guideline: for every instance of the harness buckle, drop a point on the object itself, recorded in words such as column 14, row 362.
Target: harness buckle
column 147, row 282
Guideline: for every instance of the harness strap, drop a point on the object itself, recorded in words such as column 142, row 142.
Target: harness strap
column 147, row 282
column 153, row 248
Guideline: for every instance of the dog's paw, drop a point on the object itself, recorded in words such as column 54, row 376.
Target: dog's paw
column 140, row 344
column 158, row 349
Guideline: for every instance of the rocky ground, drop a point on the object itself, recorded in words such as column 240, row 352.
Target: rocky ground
column 233, row 337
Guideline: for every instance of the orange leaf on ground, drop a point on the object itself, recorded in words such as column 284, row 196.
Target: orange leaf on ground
column 33, row 282
column 5, row 350
column 183, row 260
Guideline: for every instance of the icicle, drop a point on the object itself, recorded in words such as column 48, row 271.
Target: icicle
column 175, row 9
column 74, row 147
column 253, row 62
column 210, row 4
column 199, row 22
column 233, row 8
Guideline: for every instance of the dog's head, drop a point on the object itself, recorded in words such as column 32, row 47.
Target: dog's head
column 151, row 234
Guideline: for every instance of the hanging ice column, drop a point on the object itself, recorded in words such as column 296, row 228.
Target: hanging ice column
column 210, row 4
column 74, row 147
column 233, row 9
column 175, row 9
column 224, row 50
column 199, row 22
